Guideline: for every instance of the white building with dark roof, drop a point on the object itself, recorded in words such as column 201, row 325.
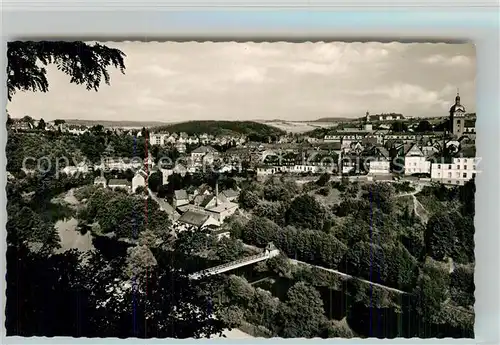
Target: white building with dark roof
column 119, row 183
column 416, row 161
column 383, row 117
column 140, row 179
column 197, row 219
column 231, row 194
column 455, row 172
column 198, row 154
column 222, row 211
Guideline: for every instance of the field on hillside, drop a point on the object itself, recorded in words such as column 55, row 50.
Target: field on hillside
column 299, row 127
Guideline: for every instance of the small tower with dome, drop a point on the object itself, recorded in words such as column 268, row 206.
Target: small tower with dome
column 368, row 125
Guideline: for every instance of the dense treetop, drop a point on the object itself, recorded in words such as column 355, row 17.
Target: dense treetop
column 249, row 128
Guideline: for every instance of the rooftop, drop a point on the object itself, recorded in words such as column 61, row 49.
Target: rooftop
column 181, row 194
column 206, row 200
column 119, row 182
column 204, row 149
column 99, row 179
column 142, row 173
column 193, row 218
column 223, row 207
column 230, row 193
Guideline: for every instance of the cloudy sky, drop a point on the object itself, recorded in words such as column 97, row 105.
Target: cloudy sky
column 246, row 81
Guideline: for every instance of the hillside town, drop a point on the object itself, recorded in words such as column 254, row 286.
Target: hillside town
column 357, row 226
column 359, row 153
column 446, row 156
column 354, row 150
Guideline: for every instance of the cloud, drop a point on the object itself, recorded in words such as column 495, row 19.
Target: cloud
column 444, row 60
column 409, row 93
column 293, row 81
column 250, row 74
column 308, row 67
column 155, row 70
column 148, row 101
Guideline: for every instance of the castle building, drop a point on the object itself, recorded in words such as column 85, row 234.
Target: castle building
column 457, row 117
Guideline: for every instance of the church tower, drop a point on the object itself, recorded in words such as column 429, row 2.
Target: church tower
column 457, row 115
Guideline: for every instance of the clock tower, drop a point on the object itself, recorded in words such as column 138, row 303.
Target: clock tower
column 457, row 117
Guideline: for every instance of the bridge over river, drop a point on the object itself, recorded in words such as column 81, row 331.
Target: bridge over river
column 269, row 252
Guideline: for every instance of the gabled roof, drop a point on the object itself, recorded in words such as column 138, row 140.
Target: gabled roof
column 194, row 218
column 230, row 193
column 184, row 208
column 382, row 151
column 99, row 179
column 198, row 199
column 203, row 188
column 408, row 147
column 331, row 146
column 181, row 194
column 204, row 149
column 206, row 200
column 142, row 173
column 467, row 151
column 223, row 207
column 118, row 182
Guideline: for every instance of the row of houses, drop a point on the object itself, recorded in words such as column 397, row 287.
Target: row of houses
column 203, row 207
column 333, row 157
column 381, row 137
column 139, row 180
column 406, row 159
column 165, row 138
column 197, row 208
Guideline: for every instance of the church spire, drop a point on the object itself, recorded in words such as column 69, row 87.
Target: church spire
column 457, row 99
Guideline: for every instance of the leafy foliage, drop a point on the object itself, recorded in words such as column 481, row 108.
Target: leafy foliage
column 307, row 245
column 439, row 236
column 48, row 290
column 274, row 211
column 306, row 212
column 302, row 315
column 86, row 64
column 462, row 286
column 431, row 292
column 124, row 215
column 228, row 249
column 424, row 127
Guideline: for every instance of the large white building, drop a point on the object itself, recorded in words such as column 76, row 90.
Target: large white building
column 203, row 154
column 457, row 172
column 416, row 161
column 380, row 162
column 139, row 180
column 222, row 211
column 379, row 167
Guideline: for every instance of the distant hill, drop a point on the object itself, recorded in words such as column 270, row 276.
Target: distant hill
column 333, row 119
column 248, row 128
column 116, row 124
